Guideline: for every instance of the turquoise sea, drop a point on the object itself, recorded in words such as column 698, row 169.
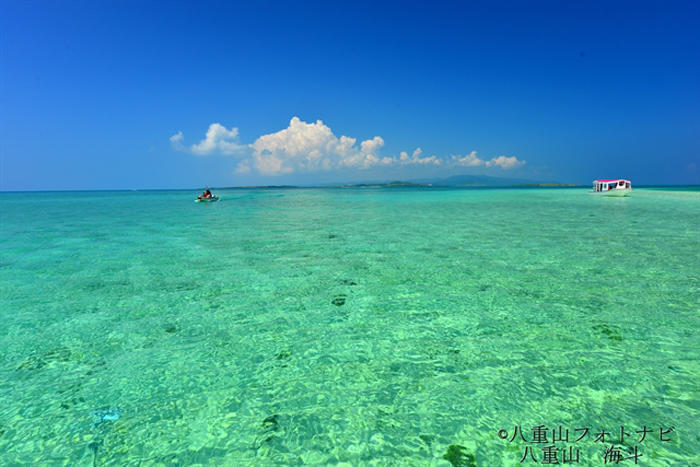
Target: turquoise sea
column 349, row 326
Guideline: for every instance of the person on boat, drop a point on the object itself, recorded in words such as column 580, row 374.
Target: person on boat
column 206, row 194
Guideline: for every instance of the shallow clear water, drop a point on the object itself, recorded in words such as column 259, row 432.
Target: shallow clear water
column 366, row 326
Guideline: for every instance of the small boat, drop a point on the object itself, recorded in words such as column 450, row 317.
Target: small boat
column 611, row 187
column 211, row 199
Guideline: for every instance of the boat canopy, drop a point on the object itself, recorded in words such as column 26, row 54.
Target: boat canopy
column 608, row 184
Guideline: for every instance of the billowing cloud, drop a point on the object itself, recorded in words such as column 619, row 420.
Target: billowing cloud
column 312, row 147
column 218, row 140
column 308, row 147
column 505, row 162
column 472, row 160
column 415, row 158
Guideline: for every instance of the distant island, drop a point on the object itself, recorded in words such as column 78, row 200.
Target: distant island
column 453, row 181
column 386, row 185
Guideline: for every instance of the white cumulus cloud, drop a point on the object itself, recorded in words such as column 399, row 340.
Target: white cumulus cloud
column 308, row 147
column 415, row 158
column 218, row 140
column 311, row 147
column 472, row 160
column 505, row 162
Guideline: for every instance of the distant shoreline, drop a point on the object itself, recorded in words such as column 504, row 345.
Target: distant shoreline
column 356, row 186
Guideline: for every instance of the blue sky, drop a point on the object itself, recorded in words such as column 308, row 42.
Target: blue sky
column 122, row 95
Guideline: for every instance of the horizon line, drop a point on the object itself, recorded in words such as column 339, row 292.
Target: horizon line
column 337, row 186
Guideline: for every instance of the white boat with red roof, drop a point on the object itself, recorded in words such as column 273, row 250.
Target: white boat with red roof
column 611, row 187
